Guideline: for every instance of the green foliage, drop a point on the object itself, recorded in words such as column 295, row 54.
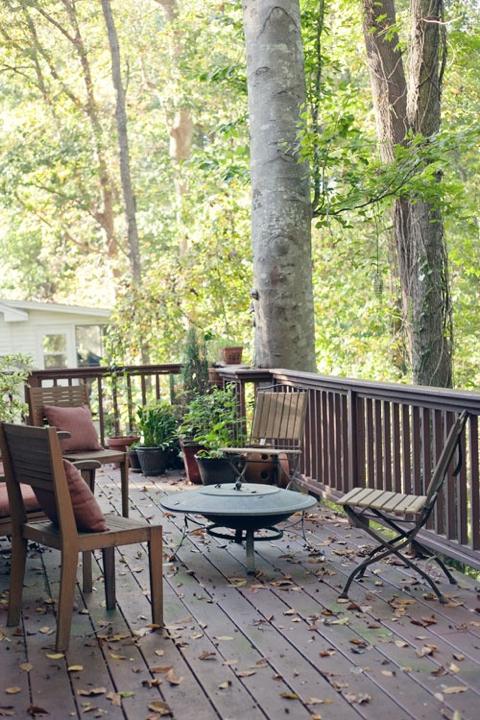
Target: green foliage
column 14, row 372
column 212, row 420
column 157, row 424
column 195, row 366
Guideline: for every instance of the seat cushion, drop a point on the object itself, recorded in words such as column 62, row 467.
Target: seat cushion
column 87, row 512
column 78, row 422
column 29, row 499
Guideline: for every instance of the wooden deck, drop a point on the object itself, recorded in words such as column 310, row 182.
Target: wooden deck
column 275, row 646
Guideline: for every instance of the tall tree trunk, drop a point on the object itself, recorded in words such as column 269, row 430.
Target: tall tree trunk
column 121, row 117
column 281, row 209
column 431, row 309
column 418, row 228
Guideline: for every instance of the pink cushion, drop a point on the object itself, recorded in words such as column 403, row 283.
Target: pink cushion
column 78, row 422
column 29, row 499
column 88, row 514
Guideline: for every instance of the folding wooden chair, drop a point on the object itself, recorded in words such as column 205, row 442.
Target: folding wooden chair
column 76, row 396
column 33, row 456
column 393, row 510
column 277, row 430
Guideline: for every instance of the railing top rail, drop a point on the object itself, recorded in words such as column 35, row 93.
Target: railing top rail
column 100, row 371
column 396, row 392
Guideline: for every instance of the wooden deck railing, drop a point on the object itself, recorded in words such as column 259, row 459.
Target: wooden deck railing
column 115, row 392
column 386, row 436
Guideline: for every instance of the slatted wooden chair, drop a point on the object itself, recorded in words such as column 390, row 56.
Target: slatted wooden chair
column 277, row 431
column 394, row 510
column 33, row 456
column 75, row 396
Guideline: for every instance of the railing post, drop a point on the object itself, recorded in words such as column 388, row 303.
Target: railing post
column 352, row 437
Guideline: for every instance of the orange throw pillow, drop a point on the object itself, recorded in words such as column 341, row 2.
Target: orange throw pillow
column 78, row 422
column 87, row 512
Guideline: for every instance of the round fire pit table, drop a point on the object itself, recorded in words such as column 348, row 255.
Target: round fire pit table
column 244, row 508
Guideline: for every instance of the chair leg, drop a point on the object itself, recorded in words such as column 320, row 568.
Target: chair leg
column 68, row 580
column 109, row 576
column 87, row 577
column 19, row 557
column 155, row 559
column 124, row 485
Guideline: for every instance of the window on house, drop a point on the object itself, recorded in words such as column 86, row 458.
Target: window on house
column 55, row 350
column 89, row 340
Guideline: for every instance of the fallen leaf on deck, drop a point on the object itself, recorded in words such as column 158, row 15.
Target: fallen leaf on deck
column 172, row 678
column 458, row 656
column 360, row 699
column 160, row 707
column 46, row 630
column 55, row 656
column 207, row 655
column 13, row 690
column 289, row 695
column 34, row 710
column 425, row 650
column 118, row 657
column 26, row 666
column 115, row 698
column 327, row 653
column 6, row 711
column 246, row 673
column 290, row 611
column 454, row 668
column 454, row 689
column 91, row 692
column 75, row 668
column 223, row 637
column 159, row 652
column 237, row 581
column 319, row 701
column 151, row 683
column 439, row 672
column 401, row 643
column 388, row 673
column 224, row 685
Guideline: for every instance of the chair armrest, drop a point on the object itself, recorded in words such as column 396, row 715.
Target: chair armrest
column 87, row 464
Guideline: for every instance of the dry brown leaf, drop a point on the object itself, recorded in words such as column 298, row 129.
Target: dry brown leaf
column 26, row 666
column 289, row 695
column 454, row 689
column 160, row 707
column 327, row 653
column 118, row 657
column 172, row 678
column 425, row 650
column 75, row 668
column 34, row 710
column 159, row 652
column 224, row 685
column 208, row 655
column 6, row 711
column 454, row 668
column 401, row 643
column 13, row 690
column 357, row 699
column 160, row 669
column 115, row 698
column 246, row 673
column 458, row 657
column 55, row 656
column 224, row 637
column 91, row 692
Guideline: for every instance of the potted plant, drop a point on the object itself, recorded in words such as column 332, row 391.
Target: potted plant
column 14, row 372
column 211, row 421
column 157, row 424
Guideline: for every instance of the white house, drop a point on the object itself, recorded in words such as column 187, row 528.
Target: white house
column 53, row 335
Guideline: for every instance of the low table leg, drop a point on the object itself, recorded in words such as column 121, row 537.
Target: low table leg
column 239, row 536
column 250, row 552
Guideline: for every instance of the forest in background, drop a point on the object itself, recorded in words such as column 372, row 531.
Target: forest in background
column 63, row 234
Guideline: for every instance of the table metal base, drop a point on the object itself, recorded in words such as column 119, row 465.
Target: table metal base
column 249, row 536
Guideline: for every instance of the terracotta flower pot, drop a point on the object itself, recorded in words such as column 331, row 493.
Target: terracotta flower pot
column 232, row 355
column 189, row 450
column 122, row 442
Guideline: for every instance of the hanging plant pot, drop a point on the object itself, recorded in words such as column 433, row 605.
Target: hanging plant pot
column 232, row 355
column 153, row 460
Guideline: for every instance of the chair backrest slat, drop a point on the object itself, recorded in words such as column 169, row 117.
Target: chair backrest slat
column 279, row 416
column 63, row 396
column 441, row 468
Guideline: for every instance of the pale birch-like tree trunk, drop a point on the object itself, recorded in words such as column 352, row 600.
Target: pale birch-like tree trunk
column 281, row 208
column 122, row 125
column 418, row 228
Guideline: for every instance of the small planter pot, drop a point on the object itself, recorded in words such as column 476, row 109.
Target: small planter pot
column 232, row 355
column 153, row 460
column 133, row 460
column 214, row 377
column 189, row 450
column 216, row 471
column 122, row 442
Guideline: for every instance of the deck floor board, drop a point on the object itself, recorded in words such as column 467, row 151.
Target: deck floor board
column 276, row 645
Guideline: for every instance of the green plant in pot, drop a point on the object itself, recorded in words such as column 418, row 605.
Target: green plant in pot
column 14, row 372
column 211, row 420
column 157, row 424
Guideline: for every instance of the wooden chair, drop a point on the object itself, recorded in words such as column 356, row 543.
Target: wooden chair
column 393, row 510
column 277, row 430
column 33, row 456
column 75, row 396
